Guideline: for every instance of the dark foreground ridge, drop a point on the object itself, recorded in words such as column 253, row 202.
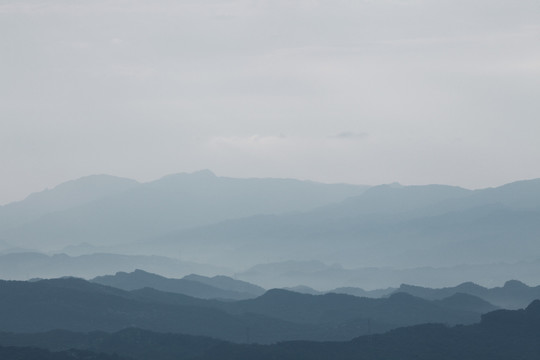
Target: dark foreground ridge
column 30, row 353
column 278, row 315
column 502, row 334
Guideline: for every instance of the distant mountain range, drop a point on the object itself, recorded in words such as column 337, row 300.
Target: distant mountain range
column 305, row 277
column 407, row 226
column 104, row 211
column 487, row 235
column 513, row 295
column 322, row 278
column 28, row 265
column 65, row 196
column 217, row 287
column 501, row 334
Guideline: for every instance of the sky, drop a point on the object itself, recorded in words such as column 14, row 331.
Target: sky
column 364, row 92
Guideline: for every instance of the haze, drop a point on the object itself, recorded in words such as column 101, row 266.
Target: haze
column 363, row 92
column 269, row 179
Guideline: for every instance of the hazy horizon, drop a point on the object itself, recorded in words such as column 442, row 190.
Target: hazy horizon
column 249, row 177
column 273, row 179
column 367, row 92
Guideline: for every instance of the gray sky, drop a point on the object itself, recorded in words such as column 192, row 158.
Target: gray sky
column 373, row 91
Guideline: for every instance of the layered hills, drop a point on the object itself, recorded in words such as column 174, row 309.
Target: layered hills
column 467, row 296
column 105, row 211
column 406, row 226
column 278, row 315
column 380, row 236
column 320, row 277
column 217, row 287
column 28, row 265
column 501, row 334
column 513, row 295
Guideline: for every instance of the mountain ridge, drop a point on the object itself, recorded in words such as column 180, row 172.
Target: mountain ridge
column 501, row 334
column 470, row 227
column 195, row 286
column 169, row 203
column 78, row 305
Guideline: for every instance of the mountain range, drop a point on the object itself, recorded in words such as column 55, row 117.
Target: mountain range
column 322, row 277
column 277, row 315
column 429, row 235
column 28, row 265
column 501, row 334
column 513, row 295
column 103, row 211
column 203, row 287
column 408, row 226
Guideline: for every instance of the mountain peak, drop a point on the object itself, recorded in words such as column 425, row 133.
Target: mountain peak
column 204, row 173
column 469, row 286
column 514, row 284
column 534, row 307
column 201, row 174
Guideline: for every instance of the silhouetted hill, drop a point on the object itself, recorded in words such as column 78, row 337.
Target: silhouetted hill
column 29, row 353
column 334, row 316
column 139, row 279
column 397, row 310
column 133, row 342
column 467, row 302
column 513, row 295
column 78, row 305
column 227, row 283
column 170, row 203
column 502, row 334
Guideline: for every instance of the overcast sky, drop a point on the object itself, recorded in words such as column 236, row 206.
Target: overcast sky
column 367, row 92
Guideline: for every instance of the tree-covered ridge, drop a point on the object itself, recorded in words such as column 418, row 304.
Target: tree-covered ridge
column 501, row 335
column 278, row 315
column 31, row 353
